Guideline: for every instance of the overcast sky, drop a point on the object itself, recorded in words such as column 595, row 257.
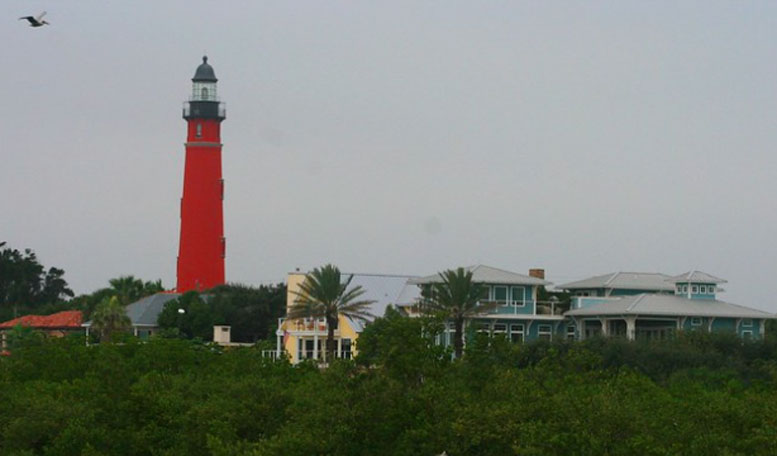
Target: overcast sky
column 400, row 137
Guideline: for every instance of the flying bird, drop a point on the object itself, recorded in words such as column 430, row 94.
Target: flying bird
column 35, row 21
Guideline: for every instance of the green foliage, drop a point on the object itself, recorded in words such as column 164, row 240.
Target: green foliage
column 324, row 294
column 26, row 286
column 109, row 318
column 127, row 289
column 189, row 316
column 455, row 297
column 700, row 394
column 252, row 312
column 404, row 347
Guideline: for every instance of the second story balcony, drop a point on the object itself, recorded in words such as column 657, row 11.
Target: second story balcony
column 527, row 307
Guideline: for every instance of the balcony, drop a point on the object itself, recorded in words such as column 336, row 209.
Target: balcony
column 528, row 307
column 204, row 110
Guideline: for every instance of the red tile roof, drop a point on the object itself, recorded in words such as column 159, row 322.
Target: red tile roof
column 66, row 319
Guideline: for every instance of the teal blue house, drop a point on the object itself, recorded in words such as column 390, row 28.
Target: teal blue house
column 518, row 314
column 620, row 284
column 692, row 305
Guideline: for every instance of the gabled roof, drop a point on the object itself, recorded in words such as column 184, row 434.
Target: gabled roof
column 652, row 281
column 489, row 275
column 384, row 290
column 59, row 320
column 668, row 305
column 696, row 276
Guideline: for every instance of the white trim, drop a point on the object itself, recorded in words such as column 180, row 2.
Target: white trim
column 548, row 333
column 507, row 294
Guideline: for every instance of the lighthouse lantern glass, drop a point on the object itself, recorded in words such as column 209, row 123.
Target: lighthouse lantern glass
column 204, row 91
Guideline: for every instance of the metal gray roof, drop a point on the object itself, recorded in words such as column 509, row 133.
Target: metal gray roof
column 697, row 277
column 652, row 281
column 489, row 275
column 145, row 311
column 204, row 72
column 668, row 305
column 384, row 290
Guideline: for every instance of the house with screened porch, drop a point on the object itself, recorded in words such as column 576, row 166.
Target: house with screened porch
column 518, row 314
column 648, row 309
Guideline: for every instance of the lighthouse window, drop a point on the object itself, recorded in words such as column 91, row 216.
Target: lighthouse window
column 204, row 92
column 199, row 130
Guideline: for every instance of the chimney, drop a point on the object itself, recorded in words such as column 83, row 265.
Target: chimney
column 537, row 273
column 222, row 334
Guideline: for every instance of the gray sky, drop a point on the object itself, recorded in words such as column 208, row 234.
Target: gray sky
column 400, row 137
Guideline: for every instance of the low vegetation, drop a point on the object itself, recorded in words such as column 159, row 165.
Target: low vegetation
column 697, row 394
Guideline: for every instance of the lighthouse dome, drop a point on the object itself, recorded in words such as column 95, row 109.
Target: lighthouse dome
column 204, row 72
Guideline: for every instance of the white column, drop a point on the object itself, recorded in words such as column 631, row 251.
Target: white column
column 605, row 329
column 631, row 327
column 315, row 341
column 762, row 328
column 709, row 326
column 581, row 329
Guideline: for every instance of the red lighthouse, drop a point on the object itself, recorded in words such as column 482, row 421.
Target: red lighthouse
column 202, row 245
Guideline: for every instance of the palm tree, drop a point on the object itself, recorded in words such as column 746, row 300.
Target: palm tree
column 323, row 294
column 127, row 288
column 109, row 317
column 455, row 297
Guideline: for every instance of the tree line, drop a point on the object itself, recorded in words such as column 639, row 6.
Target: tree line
column 27, row 287
column 697, row 394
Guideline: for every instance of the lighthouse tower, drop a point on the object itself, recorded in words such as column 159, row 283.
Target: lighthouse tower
column 202, row 245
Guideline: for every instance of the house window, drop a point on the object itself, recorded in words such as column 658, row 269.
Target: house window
column 703, row 289
column 747, row 335
column 199, row 131
column 696, row 321
column 483, row 328
column 500, row 328
column 485, row 293
column 571, row 333
column 500, row 294
column 544, row 332
column 345, row 348
column 305, row 347
column 685, row 288
column 518, row 296
column 748, row 323
column 694, row 289
column 679, row 289
column 516, row 333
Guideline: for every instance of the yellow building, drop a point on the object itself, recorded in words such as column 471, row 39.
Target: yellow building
column 303, row 339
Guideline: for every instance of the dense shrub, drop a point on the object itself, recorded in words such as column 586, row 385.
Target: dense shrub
column 697, row 394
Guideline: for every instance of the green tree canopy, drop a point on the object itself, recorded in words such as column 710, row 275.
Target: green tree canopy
column 109, row 318
column 455, row 297
column 252, row 312
column 190, row 316
column 323, row 294
column 25, row 285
